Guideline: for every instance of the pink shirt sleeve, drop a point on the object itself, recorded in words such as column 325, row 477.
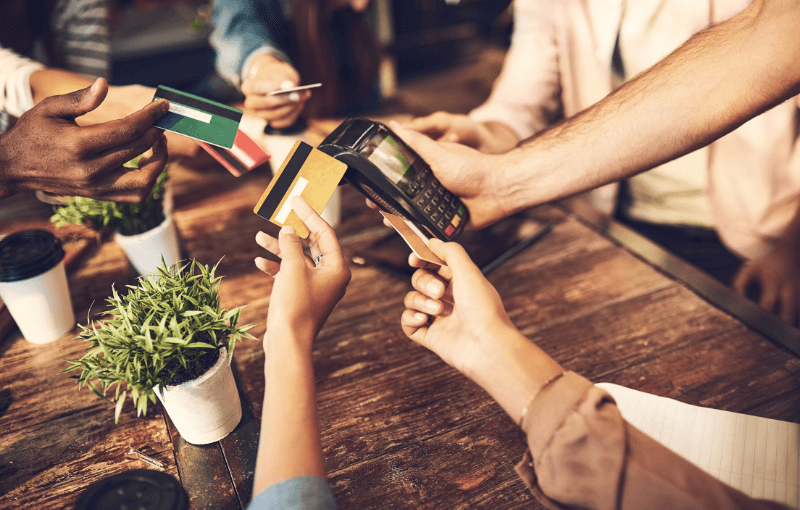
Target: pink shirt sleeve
column 582, row 453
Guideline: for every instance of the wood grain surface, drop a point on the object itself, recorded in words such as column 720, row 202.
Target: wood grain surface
column 400, row 429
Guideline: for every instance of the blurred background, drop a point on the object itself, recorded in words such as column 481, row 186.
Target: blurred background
column 436, row 55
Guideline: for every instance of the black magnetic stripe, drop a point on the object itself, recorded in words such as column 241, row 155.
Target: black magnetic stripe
column 235, row 163
column 203, row 105
column 284, row 181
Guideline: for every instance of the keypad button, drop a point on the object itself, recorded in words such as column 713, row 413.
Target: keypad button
column 441, row 223
column 435, row 215
column 456, row 221
column 449, row 230
column 461, row 211
column 442, row 207
column 428, row 209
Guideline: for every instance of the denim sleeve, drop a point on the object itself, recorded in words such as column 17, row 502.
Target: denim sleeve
column 299, row 493
column 243, row 27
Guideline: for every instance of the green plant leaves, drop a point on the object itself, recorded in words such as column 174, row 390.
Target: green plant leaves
column 127, row 219
column 156, row 331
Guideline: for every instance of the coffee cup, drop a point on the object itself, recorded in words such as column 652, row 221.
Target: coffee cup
column 33, row 285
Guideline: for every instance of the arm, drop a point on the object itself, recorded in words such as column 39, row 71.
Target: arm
column 582, row 454
column 246, row 38
column 15, row 92
column 525, row 98
column 716, row 81
column 119, row 102
column 303, row 296
column 47, row 150
column 775, row 275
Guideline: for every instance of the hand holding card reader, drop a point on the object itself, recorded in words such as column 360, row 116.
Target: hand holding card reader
column 388, row 172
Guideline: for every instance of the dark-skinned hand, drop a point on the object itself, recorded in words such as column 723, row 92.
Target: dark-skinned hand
column 46, row 150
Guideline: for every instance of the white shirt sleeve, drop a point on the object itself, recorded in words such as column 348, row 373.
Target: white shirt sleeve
column 15, row 86
column 527, row 95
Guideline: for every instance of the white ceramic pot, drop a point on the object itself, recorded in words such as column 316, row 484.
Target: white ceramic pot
column 145, row 250
column 206, row 409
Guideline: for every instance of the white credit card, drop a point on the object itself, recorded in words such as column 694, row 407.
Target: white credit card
column 294, row 89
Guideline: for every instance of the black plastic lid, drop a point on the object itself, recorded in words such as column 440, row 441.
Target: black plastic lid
column 139, row 489
column 27, row 254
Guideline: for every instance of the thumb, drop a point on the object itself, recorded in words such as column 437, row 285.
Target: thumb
column 291, row 246
column 429, row 150
column 459, row 266
column 77, row 103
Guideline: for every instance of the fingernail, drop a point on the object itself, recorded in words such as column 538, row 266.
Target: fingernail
column 287, row 85
column 287, row 230
column 434, row 288
column 395, row 124
column 165, row 105
column 432, row 305
column 294, row 97
column 434, row 240
column 420, row 316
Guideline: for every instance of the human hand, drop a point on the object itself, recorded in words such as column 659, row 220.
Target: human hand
column 454, row 311
column 46, row 150
column 268, row 74
column 123, row 101
column 776, row 275
column 303, row 294
column 457, row 128
column 471, row 175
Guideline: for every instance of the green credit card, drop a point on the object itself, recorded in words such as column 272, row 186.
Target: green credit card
column 198, row 118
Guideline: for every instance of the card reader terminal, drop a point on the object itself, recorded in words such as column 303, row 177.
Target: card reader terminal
column 388, row 172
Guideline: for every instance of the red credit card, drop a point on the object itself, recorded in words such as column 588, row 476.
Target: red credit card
column 244, row 156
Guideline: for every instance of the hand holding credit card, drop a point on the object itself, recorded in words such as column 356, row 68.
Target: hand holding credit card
column 413, row 236
column 306, row 172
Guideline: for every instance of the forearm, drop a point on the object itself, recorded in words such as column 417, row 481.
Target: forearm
column 712, row 84
column 512, row 369
column 501, row 138
column 290, row 442
column 51, row 82
column 7, row 187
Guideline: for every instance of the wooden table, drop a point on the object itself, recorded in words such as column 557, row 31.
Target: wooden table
column 400, row 429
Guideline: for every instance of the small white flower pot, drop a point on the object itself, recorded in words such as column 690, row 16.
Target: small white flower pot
column 206, row 409
column 145, row 250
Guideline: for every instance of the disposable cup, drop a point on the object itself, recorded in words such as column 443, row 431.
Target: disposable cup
column 33, row 285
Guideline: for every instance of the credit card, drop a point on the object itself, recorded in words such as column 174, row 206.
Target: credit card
column 306, row 172
column 244, row 156
column 198, row 118
column 414, row 238
column 294, row 89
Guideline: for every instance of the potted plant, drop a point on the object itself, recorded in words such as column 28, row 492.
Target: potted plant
column 168, row 338
column 146, row 232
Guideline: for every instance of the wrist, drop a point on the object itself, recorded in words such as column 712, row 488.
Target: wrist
column 286, row 340
column 7, row 185
column 511, row 368
column 260, row 61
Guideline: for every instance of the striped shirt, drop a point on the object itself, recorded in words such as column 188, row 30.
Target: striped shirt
column 82, row 38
